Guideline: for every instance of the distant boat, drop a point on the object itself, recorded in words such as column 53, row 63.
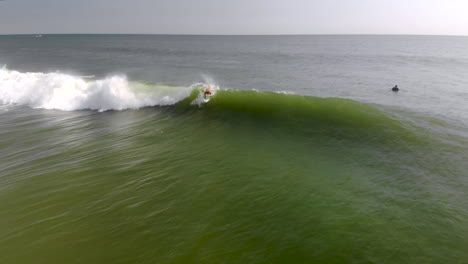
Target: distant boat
column 38, row 36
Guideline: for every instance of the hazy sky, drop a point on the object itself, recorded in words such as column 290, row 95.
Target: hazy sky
column 439, row 17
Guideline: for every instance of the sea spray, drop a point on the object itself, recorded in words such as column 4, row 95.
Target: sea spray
column 66, row 92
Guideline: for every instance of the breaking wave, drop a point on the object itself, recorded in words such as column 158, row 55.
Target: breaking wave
column 67, row 92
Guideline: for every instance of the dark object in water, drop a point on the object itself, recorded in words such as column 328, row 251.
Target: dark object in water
column 395, row 89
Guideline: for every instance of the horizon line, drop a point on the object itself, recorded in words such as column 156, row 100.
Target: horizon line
column 234, row 35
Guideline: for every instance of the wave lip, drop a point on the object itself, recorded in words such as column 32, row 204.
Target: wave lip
column 67, row 92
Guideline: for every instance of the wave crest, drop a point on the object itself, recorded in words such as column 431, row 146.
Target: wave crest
column 67, row 92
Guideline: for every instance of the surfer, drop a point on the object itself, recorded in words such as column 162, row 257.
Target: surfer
column 395, row 88
column 208, row 92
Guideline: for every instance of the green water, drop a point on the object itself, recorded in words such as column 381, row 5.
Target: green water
column 247, row 178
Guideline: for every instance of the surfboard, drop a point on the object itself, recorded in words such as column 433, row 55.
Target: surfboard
column 206, row 99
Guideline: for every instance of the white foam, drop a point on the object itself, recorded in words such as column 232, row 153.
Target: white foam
column 286, row 92
column 67, row 92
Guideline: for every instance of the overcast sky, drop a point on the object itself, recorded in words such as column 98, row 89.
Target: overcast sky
column 431, row 17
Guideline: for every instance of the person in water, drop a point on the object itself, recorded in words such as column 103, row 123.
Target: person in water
column 395, row 88
column 208, row 92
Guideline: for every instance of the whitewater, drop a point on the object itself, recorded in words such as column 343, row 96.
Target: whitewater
column 67, row 92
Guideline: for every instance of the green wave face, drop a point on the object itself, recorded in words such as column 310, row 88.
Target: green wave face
column 326, row 111
column 303, row 116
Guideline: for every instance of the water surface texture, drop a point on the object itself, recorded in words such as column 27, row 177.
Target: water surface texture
column 109, row 154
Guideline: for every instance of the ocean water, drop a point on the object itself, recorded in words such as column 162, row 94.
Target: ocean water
column 108, row 154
